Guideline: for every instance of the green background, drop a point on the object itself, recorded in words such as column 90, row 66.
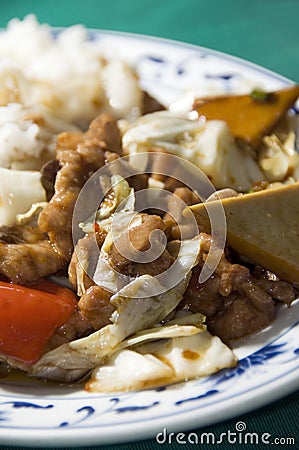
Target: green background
column 264, row 32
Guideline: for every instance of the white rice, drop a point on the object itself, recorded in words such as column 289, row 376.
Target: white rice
column 27, row 136
column 65, row 81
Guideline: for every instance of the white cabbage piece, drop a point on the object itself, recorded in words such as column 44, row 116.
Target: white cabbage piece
column 82, row 267
column 121, row 86
column 180, row 326
column 128, row 370
column 279, row 159
column 121, row 190
column 162, row 362
column 19, row 189
column 207, row 144
column 183, row 317
column 120, row 196
column 108, row 278
column 136, row 309
column 32, row 214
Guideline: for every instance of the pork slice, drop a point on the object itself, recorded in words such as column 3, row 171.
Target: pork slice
column 120, row 167
column 79, row 155
column 240, row 318
column 150, row 104
column 235, row 302
column 28, row 263
column 75, row 327
column 126, row 253
column 48, row 176
column 179, row 226
column 96, row 307
column 26, row 255
column 84, row 260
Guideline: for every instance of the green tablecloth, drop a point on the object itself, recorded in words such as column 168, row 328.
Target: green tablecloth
column 264, row 32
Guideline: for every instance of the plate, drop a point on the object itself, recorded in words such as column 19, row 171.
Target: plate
column 43, row 414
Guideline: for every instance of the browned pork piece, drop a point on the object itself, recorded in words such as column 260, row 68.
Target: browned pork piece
column 96, row 307
column 150, row 104
column 176, row 223
column 75, row 327
column 26, row 255
column 27, row 263
column 126, row 254
column 80, row 155
column 234, row 301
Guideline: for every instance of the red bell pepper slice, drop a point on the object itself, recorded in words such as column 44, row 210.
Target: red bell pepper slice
column 30, row 315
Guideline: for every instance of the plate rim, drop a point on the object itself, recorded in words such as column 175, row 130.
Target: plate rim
column 184, row 44
column 69, row 437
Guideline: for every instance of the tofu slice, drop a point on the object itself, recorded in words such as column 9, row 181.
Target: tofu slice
column 264, row 226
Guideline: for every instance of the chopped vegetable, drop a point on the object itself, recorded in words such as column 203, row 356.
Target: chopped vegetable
column 260, row 96
column 161, row 362
column 209, row 145
column 279, row 159
column 29, row 317
column 137, row 307
column 19, row 189
column 250, row 117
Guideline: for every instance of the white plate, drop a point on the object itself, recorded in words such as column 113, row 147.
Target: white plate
column 35, row 414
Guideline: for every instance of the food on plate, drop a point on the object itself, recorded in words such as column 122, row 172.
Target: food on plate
column 19, row 190
column 204, row 144
column 263, row 226
column 26, row 254
column 36, row 312
column 172, row 360
column 101, row 190
column 249, row 117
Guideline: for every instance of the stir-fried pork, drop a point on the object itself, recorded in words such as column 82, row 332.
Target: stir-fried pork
column 76, row 327
column 80, row 155
column 236, row 304
column 96, row 307
column 26, row 255
column 49, row 246
column 124, row 251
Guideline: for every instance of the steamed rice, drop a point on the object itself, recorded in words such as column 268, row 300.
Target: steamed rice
column 64, row 73
column 27, row 136
column 52, row 84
